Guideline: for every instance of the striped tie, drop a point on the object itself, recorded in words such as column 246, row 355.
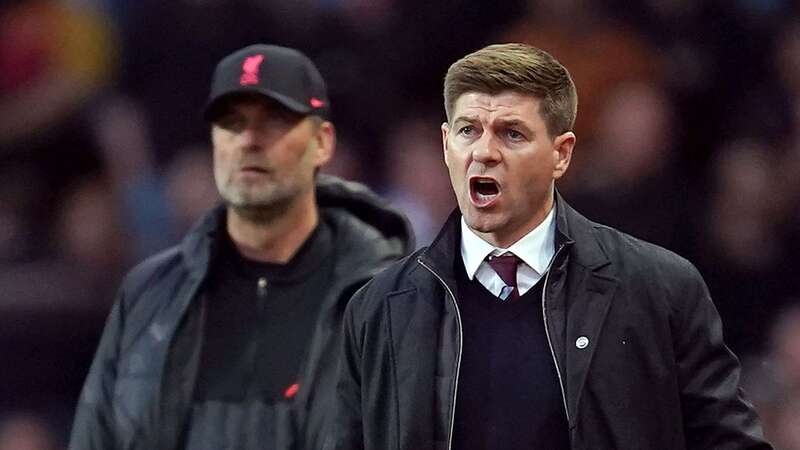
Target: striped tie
column 506, row 268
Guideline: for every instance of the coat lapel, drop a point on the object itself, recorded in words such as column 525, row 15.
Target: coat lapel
column 587, row 309
column 180, row 366
column 582, row 304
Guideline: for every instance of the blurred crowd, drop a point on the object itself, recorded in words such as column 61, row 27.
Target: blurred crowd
column 688, row 136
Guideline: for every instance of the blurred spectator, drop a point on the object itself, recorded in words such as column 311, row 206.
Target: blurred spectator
column 19, row 192
column 88, row 253
column 774, row 385
column 347, row 164
column 26, row 432
column 189, row 186
column 53, row 56
column 787, row 59
column 90, row 236
column 601, row 52
column 52, row 309
column 629, row 172
column 785, row 348
column 122, row 133
column 784, row 429
column 788, row 182
column 742, row 254
column 417, row 178
column 742, row 215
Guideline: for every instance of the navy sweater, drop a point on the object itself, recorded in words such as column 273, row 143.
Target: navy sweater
column 508, row 392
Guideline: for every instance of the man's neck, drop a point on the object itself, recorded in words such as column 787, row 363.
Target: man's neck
column 511, row 234
column 276, row 240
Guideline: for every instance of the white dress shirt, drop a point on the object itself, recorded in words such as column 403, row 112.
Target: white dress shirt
column 535, row 249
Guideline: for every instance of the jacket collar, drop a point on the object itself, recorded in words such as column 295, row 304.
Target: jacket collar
column 577, row 232
column 200, row 243
column 440, row 255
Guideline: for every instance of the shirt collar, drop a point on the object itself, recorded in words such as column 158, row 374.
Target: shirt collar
column 534, row 249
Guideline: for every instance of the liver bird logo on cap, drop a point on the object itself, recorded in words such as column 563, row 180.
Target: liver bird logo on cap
column 250, row 70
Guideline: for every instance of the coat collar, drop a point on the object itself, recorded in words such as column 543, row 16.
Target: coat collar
column 577, row 232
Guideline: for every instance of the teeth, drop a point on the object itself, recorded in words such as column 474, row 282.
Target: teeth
column 484, row 197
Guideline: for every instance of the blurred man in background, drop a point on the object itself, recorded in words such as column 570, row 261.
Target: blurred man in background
column 229, row 340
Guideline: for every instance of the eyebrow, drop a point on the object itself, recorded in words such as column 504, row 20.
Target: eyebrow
column 470, row 119
column 509, row 122
column 500, row 122
column 519, row 123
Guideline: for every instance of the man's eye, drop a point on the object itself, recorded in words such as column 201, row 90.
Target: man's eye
column 284, row 118
column 468, row 130
column 515, row 135
column 228, row 122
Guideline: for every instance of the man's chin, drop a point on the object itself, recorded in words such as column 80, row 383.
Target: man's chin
column 257, row 209
column 482, row 222
column 249, row 199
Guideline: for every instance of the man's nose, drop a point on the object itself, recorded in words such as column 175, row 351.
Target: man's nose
column 252, row 138
column 487, row 150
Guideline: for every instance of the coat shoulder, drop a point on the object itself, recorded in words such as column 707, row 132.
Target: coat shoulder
column 401, row 276
column 640, row 256
column 148, row 272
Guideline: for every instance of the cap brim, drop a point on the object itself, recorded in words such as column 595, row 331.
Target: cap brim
column 212, row 108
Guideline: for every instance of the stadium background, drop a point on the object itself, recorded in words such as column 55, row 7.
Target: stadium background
column 688, row 136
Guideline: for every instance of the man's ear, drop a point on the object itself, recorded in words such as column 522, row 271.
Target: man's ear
column 326, row 143
column 445, row 130
column 563, row 145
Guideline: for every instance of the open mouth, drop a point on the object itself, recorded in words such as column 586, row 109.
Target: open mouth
column 483, row 191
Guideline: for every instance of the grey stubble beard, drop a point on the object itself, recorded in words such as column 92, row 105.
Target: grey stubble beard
column 258, row 208
column 260, row 213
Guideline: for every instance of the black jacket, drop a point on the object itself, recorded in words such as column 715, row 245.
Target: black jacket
column 636, row 339
column 139, row 389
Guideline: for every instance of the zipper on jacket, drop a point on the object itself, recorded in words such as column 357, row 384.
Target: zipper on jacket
column 547, row 331
column 458, row 357
column 261, row 287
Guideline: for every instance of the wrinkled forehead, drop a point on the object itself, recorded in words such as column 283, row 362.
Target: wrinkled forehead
column 507, row 105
